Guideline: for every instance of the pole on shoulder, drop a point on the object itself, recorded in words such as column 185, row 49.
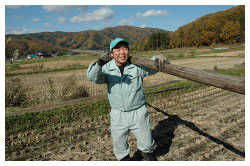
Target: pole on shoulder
column 231, row 83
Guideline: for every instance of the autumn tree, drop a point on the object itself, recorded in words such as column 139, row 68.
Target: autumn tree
column 231, row 32
column 180, row 37
column 221, row 27
column 143, row 45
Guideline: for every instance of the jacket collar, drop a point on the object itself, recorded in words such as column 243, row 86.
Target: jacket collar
column 113, row 65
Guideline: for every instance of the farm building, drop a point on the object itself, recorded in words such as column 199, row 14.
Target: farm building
column 32, row 56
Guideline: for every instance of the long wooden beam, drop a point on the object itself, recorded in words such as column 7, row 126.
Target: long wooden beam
column 231, row 83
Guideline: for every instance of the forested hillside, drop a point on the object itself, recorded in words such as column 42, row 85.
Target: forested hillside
column 221, row 27
column 227, row 27
column 57, row 42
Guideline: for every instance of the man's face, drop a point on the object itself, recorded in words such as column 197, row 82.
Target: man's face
column 120, row 53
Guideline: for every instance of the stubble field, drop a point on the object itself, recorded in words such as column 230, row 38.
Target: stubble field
column 205, row 124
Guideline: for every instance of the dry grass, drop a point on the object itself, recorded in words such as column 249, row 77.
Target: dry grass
column 15, row 93
column 40, row 91
column 206, row 124
column 61, row 64
column 50, row 65
column 203, row 125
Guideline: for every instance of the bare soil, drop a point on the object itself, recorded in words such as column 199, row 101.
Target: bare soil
column 227, row 54
column 38, row 86
column 203, row 125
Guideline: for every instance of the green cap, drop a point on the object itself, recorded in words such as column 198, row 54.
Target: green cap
column 115, row 42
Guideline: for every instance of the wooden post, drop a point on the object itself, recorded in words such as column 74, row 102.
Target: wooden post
column 232, row 83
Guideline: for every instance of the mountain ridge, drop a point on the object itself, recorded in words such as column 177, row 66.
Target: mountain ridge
column 225, row 27
column 89, row 39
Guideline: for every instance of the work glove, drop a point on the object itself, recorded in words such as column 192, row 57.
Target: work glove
column 103, row 59
column 160, row 61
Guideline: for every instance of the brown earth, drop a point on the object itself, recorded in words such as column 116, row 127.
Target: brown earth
column 227, row 54
column 39, row 92
column 203, row 125
column 207, row 124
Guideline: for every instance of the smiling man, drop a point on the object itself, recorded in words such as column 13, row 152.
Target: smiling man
column 126, row 96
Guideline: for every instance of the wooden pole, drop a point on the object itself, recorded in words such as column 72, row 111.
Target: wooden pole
column 231, row 83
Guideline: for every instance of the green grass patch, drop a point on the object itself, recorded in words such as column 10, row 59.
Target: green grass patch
column 238, row 70
column 11, row 67
column 41, row 120
column 189, row 85
column 173, row 89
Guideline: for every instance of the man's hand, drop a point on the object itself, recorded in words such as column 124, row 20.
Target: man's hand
column 160, row 62
column 103, row 59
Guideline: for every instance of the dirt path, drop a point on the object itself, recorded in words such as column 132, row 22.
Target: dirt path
column 227, row 54
column 207, row 124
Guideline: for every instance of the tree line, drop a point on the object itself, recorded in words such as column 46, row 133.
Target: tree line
column 227, row 27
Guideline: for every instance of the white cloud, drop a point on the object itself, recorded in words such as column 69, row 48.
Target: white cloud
column 16, row 6
column 35, row 19
column 48, row 24
column 151, row 13
column 61, row 20
column 143, row 26
column 62, row 8
column 19, row 30
column 102, row 14
column 129, row 21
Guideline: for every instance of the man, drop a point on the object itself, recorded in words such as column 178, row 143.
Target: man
column 126, row 96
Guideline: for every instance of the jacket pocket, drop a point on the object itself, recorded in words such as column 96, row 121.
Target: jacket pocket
column 115, row 118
